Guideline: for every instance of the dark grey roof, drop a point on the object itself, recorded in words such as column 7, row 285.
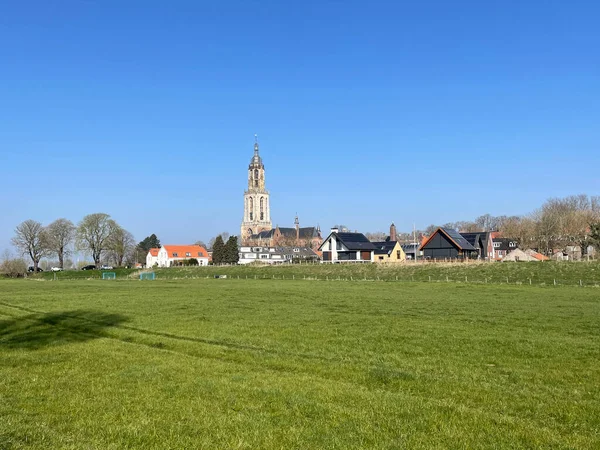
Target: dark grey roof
column 263, row 234
column 385, row 247
column 458, row 238
column 473, row 238
column 303, row 252
column 303, row 232
column 355, row 241
column 505, row 243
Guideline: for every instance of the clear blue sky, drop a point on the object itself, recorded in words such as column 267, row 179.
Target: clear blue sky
column 367, row 112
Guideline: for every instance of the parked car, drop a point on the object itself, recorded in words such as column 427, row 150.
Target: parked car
column 105, row 267
column 88, row 267
column 56, row 269
column 30, row 269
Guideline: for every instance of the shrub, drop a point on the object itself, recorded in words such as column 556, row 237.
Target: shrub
column 13, row 268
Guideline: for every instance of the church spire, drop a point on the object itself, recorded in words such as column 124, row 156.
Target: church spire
column 256, row 159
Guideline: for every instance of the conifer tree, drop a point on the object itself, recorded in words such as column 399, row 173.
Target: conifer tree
column 232, row 255
column 218, row 255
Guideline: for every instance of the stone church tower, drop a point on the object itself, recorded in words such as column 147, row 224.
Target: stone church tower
column 257, row 212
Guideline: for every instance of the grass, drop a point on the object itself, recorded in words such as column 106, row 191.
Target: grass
column 205, row 363
column 546, row 273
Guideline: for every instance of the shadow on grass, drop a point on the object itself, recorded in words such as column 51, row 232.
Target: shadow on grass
column 35, row 331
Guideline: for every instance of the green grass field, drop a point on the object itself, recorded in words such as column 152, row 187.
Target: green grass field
column 206, row 363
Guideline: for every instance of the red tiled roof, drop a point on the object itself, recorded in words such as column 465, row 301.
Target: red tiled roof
column 154, row 251
column 195, row 251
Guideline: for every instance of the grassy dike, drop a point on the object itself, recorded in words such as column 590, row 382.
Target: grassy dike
column 545, row 273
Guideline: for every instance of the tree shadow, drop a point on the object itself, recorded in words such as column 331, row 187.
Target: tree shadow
column 35, row 331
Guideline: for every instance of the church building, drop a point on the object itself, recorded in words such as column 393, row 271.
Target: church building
column 257, row 228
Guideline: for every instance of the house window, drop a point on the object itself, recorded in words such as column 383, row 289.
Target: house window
column 381, row 258
column 264, row 256
column 398, row 254
column 296, row 250
column 175, row 255
column 188, row 254
column 200, row 254
column 338, row 245
column 329, row 245
column 262, row 216
column 496, row 244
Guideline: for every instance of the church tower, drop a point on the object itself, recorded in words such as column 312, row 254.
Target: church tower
column 257, row 212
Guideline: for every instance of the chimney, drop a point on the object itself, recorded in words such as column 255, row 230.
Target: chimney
column 335, row 230
column 393, row 236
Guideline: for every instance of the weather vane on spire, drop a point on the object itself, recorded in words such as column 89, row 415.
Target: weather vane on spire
column 255, row 138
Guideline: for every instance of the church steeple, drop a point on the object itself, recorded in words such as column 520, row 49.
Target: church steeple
column 257, row 212
column 256, row 161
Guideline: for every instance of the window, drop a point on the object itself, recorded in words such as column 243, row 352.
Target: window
column 256, row 174
column 262, row 216
column 329, row 245
column 296, row 250
column 200, row 254
column 338, row 245
column 175, row 255
column 496, row 244
column 251, row 216
column 188, row 254
column 264, row 256
column 398, row 254
column 381, row 258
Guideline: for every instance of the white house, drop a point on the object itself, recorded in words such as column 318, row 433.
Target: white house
column 168, row 255
column 347, row 247
column 275, row 255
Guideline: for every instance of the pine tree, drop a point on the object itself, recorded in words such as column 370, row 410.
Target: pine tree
column 218, row 255
column 232, row 255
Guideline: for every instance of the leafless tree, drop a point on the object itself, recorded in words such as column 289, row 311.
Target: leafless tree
column 60, row 235
column 119, row 244
column 377, row 236
column 224, row 235
column 93, row 233
column 30, row 238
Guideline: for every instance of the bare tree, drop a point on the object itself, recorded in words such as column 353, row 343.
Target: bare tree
column 377, row 236
column 93, row 233
column 60, row 235
column 120, row 243
column 224, row 235
column 30, row 239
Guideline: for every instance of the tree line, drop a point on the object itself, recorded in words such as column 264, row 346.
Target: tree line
column 97, row 234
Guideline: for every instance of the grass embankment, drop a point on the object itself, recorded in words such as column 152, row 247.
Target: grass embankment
column 290, row 364
column 546, row 273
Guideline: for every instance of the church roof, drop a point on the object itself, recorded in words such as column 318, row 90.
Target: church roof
column 304, row 232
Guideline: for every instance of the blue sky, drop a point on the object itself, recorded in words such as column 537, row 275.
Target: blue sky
column 367, row 112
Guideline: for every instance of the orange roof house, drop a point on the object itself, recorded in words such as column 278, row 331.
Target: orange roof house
column 167, row 255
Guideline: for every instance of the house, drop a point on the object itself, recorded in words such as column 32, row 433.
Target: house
column 276, row 255
column 410, row 249
column 445, row 244
column 347, row 247
column 152, row 257
column 169, row 255
column 519, row 255
column 483, row 242
column 503, row 246
column 389, row 252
